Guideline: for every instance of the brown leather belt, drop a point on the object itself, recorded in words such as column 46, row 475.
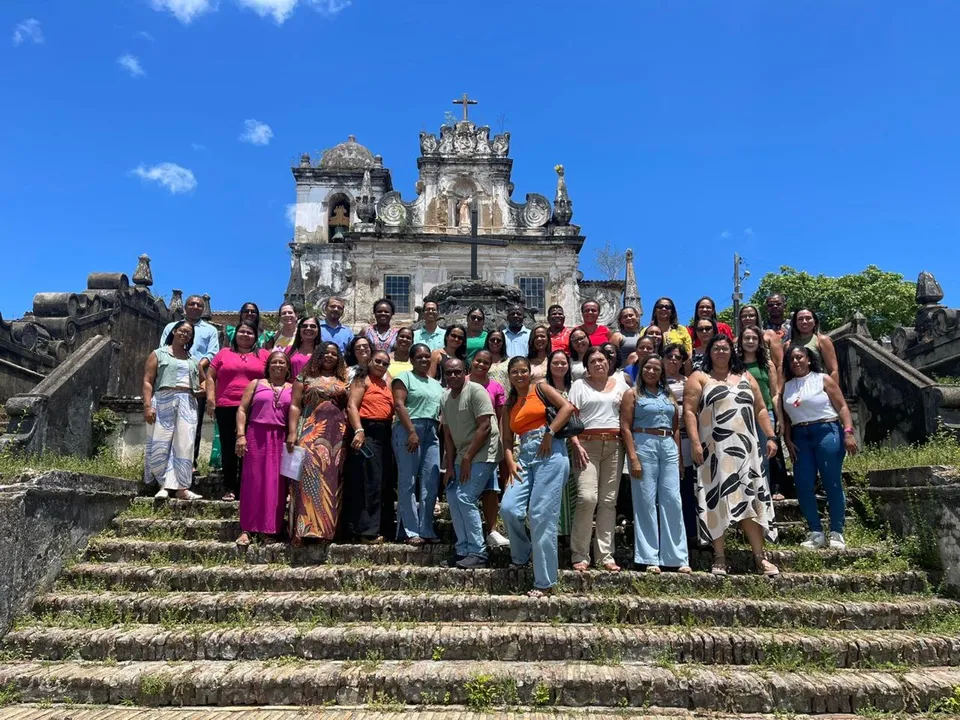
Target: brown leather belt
column 659, row 432
column 814, row 422
column 602, row 436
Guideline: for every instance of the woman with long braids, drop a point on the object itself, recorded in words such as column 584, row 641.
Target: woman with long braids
column 318, row 422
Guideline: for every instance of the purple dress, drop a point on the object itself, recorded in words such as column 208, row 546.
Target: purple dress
column 263, row 493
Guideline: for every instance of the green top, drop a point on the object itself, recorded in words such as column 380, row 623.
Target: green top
column 475, row 344
column 460, row 414
column 762, row 376
column 167, row 370
column 813, row 342
column 424, row 395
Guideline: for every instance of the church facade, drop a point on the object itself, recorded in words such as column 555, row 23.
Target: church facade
column 358, row 238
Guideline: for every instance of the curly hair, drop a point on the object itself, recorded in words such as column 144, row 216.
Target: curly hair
column 314, row 366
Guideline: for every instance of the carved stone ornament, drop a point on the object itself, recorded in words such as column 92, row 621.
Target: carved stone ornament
column 465, row 140
column 176, row 303
column 391, row 211
column 143, row 275
column 428, row 143
column 562, row 205
column 483, row 141
column 536, row 211
column 446, row 140
column 501, row 145
column 929, row 291
column 366, row 208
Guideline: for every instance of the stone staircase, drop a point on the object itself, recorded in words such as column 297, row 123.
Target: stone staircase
column 164, row 612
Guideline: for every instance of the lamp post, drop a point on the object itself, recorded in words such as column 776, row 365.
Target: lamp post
column 737, row 294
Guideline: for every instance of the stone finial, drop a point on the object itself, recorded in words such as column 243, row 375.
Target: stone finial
column 295, row 293
column 378, row 161
column 562, row 205
column 366, row 207
column 631, row 292
column 929, row 291
column 207, row 313
column 305, row 160
column 176, row 303
column 143, row 276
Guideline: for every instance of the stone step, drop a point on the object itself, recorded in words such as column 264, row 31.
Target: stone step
column 103, row 609
column 778, row 649
column 473, row 683
column 213, row 553
column 49, row 711
column 209, row 507
column 133, row 577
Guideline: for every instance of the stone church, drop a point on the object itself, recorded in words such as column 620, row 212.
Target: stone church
column 356, row 237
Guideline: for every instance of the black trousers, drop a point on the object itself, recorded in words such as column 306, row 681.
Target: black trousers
column 370, row 485
column 688, row 502
column 230, row 464
column 201, row 411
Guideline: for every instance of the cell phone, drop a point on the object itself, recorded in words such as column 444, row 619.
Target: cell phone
column 366, row 451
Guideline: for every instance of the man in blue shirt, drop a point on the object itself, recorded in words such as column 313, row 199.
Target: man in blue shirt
column 206, row 344
column 430, row 334
column 518, row 336
column 331, row 330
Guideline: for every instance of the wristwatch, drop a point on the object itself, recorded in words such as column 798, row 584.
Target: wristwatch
column 550, row 431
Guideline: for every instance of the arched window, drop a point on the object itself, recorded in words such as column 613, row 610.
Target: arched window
column 338, row 217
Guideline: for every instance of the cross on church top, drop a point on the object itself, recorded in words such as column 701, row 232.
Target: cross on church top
column 465, row 101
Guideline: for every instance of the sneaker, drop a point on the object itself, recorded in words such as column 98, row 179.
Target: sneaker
column 496, row 540
column 472, row 562
column 162, row 495
column 837, row 542
column 452, row 562
column 814, row 541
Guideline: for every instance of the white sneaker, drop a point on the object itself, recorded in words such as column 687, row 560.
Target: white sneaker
column 496, row 540
column 837, row 542
column 162, row 495
column 814, row 541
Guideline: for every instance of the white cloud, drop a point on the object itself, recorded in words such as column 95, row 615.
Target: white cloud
column 256, row 132
column 280, row 10
column 132, row 65
column 28, row 30
column 146, row 36
column 329, row 7
column 725, row 234
column 185, row 10
column 748, row 232
column 173, row 177
column 198, row 147
column 291, row 212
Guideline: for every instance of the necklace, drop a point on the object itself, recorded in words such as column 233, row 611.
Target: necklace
column 277, row 392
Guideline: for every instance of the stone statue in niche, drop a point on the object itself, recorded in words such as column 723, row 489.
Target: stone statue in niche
column 443, row 208
column 428, row 143
column 483, row 141
column 501, row 144
column 420, row 186
column 464, row 211
column 446, row 140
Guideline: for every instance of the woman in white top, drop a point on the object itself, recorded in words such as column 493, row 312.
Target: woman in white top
column 814, row 410
column 597, row 455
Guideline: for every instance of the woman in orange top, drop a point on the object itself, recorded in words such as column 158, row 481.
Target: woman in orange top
column 370, row 480
column 536, row 473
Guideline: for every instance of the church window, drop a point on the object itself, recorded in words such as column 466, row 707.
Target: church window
column 533, row 292
column 397, row 288
column 338, row 218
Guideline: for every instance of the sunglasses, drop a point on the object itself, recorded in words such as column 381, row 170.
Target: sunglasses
column 674, row 358
column 309, row 326
column 664, row 307
column 705, row 329
column 381, row 363
column 496, row 340
column 457, row 337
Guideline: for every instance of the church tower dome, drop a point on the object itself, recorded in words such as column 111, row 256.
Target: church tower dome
column 349, row 155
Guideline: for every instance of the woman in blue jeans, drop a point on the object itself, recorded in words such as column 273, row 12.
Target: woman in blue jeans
column 650, row 428
column 416, row 400
column 818, row 431
column 536, row 473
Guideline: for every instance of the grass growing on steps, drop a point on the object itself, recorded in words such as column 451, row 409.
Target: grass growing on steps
column 941, row 449
column 105, row 463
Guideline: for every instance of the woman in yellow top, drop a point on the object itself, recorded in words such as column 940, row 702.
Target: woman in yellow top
column 665, row 318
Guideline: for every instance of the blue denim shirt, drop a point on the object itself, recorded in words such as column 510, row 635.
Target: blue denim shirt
column 341, row 335
column 653, row 411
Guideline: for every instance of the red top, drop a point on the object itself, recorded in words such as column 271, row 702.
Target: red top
column 234, row 372
column 599, row 336
column 722, row 328
column 560, row 341
column 377, row 403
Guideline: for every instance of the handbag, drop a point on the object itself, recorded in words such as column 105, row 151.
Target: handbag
column 573, row 426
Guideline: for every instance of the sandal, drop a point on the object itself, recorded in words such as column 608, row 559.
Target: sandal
column 536, row 593
column 719, row 566
column 653, row 570
column 378, row 540
column 229, row 497
column 416, row 541
column 188, row 495
column 244, row 540
column 611, row 567
column 765, row 567
column 777, row 497
column 684, row 570
column 581, row 566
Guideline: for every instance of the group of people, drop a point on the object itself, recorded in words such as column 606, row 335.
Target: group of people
column 545, row 428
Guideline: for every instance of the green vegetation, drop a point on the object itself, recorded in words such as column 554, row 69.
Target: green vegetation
column 105, row 463
column 946, row 379
column 941, row 449
column 541, row 695
column 9, row 694
column 485, row 691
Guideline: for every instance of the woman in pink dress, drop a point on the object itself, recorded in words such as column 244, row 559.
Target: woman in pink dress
column 261, row 430
column 300, row 352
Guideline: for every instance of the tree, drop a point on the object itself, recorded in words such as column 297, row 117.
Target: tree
column 610, row 262
column 884, row 298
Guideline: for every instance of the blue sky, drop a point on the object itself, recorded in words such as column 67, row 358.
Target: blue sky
column 821, row 135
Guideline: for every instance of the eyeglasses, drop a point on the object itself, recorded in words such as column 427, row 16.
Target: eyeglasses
column 495, row 340
column 705, row 329
column 381, row 363
column 674, row 358
column 309, row 326
column 476, row 317
column 664, row 307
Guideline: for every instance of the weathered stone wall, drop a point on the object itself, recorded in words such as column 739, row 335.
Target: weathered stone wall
column 44, row 520
column 55, row 416
column 129, row 438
